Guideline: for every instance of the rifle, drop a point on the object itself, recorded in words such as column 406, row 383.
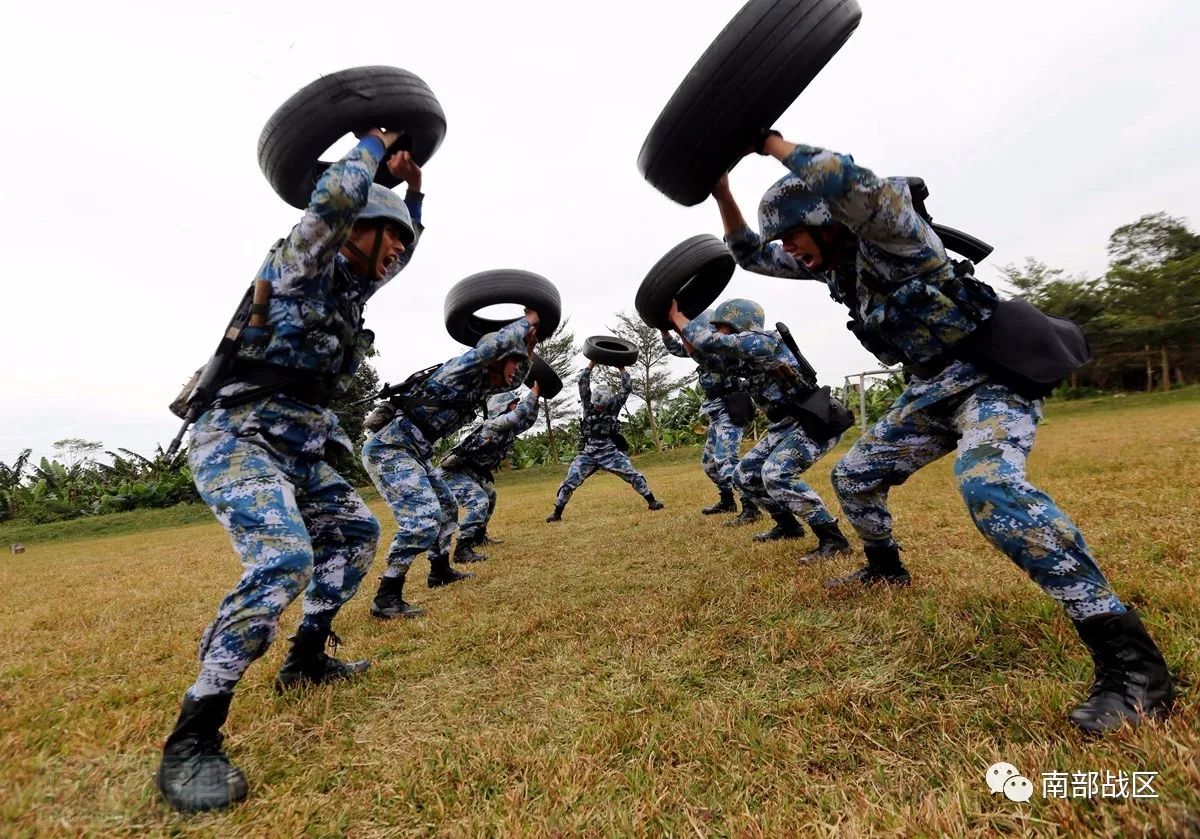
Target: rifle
column 198, row 394
column 807, row 374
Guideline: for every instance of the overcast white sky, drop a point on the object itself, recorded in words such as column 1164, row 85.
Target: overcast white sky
column 133, row 213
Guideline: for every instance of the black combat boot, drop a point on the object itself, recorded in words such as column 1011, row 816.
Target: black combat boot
column 307, row 663
column 389, row 601
column 195, row 774
column 441, row 574
column 464, row 551
column 786, row 527
column 1132, row 683
column 725, row 505
column 557, row 514
column 830, row 542
column 750, row 514
column 653, row 503
column 883, row 567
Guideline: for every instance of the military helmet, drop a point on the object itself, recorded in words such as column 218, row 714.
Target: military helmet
column 382, row 203
column 705, row 317
column 789, row 204
column 601, row 392
column 513, row 352
column 740, row 314
column 499, row 403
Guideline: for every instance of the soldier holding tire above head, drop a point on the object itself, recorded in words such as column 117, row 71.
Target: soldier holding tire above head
column 980, row 368
column 437, row 402
column 257, row 455
column 602, row 444
column 800, row 433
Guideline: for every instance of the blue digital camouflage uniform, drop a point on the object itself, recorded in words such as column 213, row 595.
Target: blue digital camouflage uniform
column 912, row 308
column 723, row 442
column 480, row 454
column 601, row 422
column 297, row 525
column 770, row 472
column 397, row 458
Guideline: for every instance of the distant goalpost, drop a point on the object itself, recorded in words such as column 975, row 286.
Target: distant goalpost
column 861, row 386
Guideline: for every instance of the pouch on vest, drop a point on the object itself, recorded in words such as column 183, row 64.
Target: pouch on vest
column 739, row 406
column 1027, row 349
column 823, row 416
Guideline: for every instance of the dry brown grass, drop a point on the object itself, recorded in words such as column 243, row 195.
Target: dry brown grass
column 628, row 672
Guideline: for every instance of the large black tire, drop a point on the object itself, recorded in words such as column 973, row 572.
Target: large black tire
column 544, row 375
column 319, row 114
column 747, row 78
column 694, row 272
column 503, row 285
column 610, row 350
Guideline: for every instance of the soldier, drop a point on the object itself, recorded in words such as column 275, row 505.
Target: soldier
column 468, row 469
column 438, row 403
column 770, row 472
column 841, row 224
column 257, row 457
column 602, row 443
column 723, row 442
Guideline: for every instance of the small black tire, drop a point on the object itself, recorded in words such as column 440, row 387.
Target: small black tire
column 694, row 272
column 543, row 374
column 610, row 351
column 755, row 68
column 500, row 286
column 317, row 115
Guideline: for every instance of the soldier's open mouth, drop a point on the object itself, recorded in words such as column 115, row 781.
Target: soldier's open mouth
column 810, row 261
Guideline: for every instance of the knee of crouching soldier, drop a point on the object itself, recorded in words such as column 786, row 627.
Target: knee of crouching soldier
column 981, row 496
column 842, row 479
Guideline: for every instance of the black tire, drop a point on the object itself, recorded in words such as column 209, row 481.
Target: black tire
column 544, row 375
column 764, row 57
column 503, row 285
column 694, row 272
column 610, row 350
column 319, row 114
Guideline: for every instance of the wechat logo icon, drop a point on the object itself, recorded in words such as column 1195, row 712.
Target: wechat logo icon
column 1005, row 778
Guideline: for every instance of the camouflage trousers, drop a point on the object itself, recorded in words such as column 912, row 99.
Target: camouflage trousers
column 722, row 445
column 769, row 474
column 600, row 454
column 991, row 429
column 476, row 497
column 297, row 525
column 424, row 507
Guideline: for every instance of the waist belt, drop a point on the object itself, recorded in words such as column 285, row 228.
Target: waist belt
column 272, row 380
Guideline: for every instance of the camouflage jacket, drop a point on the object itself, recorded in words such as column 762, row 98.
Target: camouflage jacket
column 492, row 441
column 462, row 381
column 714, row 383
column 315, row 318
column 772, row 374
column 907, row 302
column 601, row 420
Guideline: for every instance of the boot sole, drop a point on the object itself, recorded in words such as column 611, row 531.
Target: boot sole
column 444, row 583
column 386, row 616
column 237, row 791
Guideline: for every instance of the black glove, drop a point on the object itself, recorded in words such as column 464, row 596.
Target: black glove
column 760, row 140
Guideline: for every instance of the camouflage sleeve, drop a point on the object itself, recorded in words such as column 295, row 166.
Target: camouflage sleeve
column 769, row 258
column 626, row 386
column 339, row 196
column 585, row 387
column 413, row 201
column 748, row 348
column 674, row 347
column 520, row 418
column 464, row 370
column 879, row 210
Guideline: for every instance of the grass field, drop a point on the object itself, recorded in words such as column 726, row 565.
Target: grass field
column 627, row 672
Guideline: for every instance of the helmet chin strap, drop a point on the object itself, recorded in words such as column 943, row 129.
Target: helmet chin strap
column 368, row 261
